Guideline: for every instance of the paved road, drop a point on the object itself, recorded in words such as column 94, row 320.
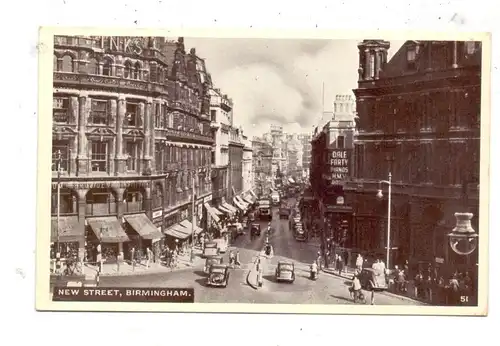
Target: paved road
column 327, row 289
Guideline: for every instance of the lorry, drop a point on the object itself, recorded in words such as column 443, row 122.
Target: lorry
column 265, row 209
column 275, row 197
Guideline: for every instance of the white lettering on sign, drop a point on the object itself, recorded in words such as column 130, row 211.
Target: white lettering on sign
column 125, row 44
column 339, row 166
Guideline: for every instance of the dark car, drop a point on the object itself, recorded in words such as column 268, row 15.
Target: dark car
column 210, row 261
column 265, row 213
column 284, row 212
column 255, row 230
column 372, row 279
column 218, row 275
column 285, row 271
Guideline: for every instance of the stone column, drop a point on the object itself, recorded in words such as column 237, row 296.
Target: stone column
column 119, row 201
column 148, row 135
column 119, row 158
column 82, row 195
column 82, row 158
column 148, row 203
column 378, row 58
column 152, row 137
column 367, row 64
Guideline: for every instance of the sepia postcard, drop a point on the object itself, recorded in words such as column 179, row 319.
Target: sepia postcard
column 263, row 171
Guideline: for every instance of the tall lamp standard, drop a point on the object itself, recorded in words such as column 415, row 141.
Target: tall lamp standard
column 193, row 216
column 379, row 196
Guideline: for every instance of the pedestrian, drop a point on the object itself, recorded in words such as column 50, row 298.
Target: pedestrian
column 454, row 290
column 340, row 264
column 237, row 258
column 419, row 278
column 359, row 262
column 99, row 258
column 132, row 257
column 318, row 260
column 149, row 256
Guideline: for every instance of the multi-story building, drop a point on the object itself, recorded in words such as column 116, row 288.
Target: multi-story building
column 331, row 168
column 248, row 178
column 419, row 120
column 236, row 146
column 131, row 143
column 221, row 108
column 306, row 154
column 294, row 152
column 262, row 166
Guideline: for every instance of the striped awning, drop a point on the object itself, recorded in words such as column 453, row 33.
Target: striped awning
column 242, row 202
column 108, row 229
column 143, row 226
column 239, row 205
column 229, row 207
column 225, row 210
column 178, row 231
column 212, row 212
column 189, row 225
column 67, row 229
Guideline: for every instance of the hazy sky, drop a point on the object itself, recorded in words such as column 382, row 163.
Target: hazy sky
column 280, row 81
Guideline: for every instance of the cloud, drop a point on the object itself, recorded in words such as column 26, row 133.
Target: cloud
column 275, row 81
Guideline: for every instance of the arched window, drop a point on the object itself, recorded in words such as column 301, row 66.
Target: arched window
column 93, row 67
column 67, row 63
column 106, row 68
column 127, row 73
column 56, row 65
column 136, row 72
column 101, row 202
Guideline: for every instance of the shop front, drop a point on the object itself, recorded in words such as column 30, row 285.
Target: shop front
column 107, row 233
column 143, row 234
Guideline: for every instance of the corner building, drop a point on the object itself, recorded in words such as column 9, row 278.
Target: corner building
column 419, row 118
column 132, row 139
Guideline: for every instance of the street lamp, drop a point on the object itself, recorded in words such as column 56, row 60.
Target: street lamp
column 463, row 238
column 380, row 196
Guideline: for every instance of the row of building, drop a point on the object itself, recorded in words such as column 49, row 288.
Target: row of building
column 417, row 125
column 143, row 145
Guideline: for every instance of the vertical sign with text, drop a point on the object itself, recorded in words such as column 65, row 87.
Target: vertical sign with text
column 340, row 161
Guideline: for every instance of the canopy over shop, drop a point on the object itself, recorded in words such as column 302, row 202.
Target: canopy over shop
column 147, row 234
column 65, row 235
column 109, row 234
column 177, row 233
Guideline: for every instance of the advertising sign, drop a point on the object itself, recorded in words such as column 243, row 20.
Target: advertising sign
column 340, row 161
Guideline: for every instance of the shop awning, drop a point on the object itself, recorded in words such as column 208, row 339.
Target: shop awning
column 253, row 194
column 143, row 226
column 229, row 207
column 217, row 211
column 248, row 199
column 239, row 205
column 212, row 212
column 189, row 225
column 225, row 210
column 291, row 181
column 109, row 226
column 67, row 229
column 178, row 231
column 242, row 202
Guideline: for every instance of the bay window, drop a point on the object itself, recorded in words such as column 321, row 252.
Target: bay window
column 60, row 110
column 99, row 111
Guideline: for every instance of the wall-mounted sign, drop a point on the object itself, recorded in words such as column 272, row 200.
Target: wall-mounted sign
column 339, row 165
column 132, row 45
column 157, row 214
column 340, row 200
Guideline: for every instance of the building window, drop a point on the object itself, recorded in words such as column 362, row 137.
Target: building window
column 132, row 153
column 153, row 73
column 158, row 117
column 93, row 67
column 136, row 72
column 131, row 118
column 60, row 149
column 67, row 63
column 60, row 109
column 56, row 63
column 213, row 115
column 127, row 72
column 99, row 112
column 99, row 156
column 411, row 57
column 106, row 68
column 340, row 142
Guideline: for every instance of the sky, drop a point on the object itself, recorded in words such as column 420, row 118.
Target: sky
column 280, row 81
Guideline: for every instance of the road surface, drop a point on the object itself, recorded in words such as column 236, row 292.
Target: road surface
column 328, row 289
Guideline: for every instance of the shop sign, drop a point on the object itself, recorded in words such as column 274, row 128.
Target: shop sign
column 101, row 185
column 157, row 214
column 439, row 260
column 339, row 165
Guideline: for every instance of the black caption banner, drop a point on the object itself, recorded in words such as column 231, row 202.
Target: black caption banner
column 123, row 294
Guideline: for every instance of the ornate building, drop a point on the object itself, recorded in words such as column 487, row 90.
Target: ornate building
column 131, row 143
column 262, row 166
column 248, row 179
column 419, row 119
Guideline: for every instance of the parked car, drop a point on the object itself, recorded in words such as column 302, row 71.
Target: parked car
column 210, row 248
column 221, row 244
column 284, row 213
column 218, row 275
column 255, row 230
column 285, row 271
column 210, row 261
column 372, row 279
column 265, row 213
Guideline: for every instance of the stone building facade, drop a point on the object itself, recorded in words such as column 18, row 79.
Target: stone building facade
column 419, row 119
column 131, row 143
column 262, row 166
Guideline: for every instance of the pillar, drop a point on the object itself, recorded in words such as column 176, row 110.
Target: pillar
column 429, row 56
column 82, row 158
column 367, row 64
column 378, row 62
column 119, row 158
column 147, row 203
column 82, row 205
column 148, row 133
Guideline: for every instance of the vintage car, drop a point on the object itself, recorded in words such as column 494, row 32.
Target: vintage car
column 265, row 213
column 211, row 248
column 285, row 271
column 372, row 279
column 210, row 261
column 221, row 244
column 218, row 275
column 299, row 232
column 255, row 230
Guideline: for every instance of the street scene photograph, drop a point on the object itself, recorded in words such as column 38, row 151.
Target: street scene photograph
column 266, row 170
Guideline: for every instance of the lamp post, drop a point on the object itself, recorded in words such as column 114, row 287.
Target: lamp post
column 379, row 196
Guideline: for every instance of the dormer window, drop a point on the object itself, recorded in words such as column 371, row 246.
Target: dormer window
column 411, row 57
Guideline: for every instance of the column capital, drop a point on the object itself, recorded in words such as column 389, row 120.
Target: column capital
column 121, row 97
column 83, row 94
column 149, row 100
column 82, row 194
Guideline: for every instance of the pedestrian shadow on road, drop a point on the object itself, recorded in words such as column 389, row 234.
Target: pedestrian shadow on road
column 348, row 283
column 201, row 281
column 341, row 298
